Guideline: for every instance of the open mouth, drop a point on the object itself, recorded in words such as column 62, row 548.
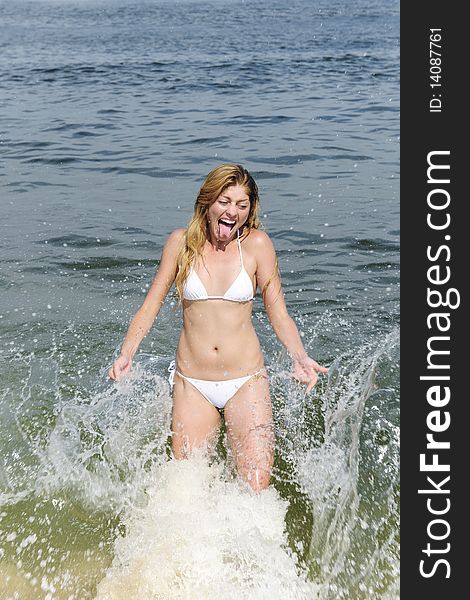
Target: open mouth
column 229, row 224
column 225, row 227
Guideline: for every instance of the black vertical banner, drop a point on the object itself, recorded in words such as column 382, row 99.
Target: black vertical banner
column 434, row 256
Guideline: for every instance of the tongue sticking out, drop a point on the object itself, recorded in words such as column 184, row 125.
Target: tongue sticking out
column 224, row 230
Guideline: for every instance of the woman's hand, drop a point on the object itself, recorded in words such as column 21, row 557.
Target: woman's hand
column 121, row 366
column 307, row 370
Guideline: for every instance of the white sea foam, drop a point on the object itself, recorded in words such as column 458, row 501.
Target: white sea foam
column 201, row 536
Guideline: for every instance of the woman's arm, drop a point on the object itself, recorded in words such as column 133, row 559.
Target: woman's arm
column 147, row 313
column 305, row 368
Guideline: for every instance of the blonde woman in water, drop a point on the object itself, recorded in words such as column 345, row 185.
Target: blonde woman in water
column 217, row 263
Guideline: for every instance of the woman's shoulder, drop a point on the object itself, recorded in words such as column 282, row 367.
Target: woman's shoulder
column 259, row 240
column 177, row 234
column 260, row 247
column 174, row 241
column 176, row 237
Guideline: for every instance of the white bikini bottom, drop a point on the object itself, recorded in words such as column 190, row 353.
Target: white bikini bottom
column 217, row 393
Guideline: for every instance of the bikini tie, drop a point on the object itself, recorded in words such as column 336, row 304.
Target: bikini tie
column 171, row 371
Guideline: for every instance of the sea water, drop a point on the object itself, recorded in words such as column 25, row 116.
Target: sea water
column 112, row 114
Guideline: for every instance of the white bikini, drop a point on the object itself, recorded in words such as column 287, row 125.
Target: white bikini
column 217, row 393
column 241, row 289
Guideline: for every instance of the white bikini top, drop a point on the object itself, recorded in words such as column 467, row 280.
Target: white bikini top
column 241, row 289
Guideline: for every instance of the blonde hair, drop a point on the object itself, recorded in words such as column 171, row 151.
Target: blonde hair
column 197, row 232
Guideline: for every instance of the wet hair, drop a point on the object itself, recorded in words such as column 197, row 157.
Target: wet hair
column 197, row 232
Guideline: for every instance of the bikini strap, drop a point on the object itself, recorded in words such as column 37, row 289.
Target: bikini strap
column 240, row 248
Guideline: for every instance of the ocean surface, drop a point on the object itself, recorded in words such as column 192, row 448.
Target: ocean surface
column 111, row 114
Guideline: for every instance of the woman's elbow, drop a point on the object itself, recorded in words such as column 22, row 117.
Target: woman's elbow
column 279, row 319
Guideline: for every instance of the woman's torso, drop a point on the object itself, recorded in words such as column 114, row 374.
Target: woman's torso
column 218, row 340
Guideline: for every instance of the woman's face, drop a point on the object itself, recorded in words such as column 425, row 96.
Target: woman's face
column 228, row 213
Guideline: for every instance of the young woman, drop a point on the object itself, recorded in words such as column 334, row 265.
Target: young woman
column 217, row 263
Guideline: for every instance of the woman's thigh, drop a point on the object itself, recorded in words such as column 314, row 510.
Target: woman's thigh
column 195, row 421
column 249, row 421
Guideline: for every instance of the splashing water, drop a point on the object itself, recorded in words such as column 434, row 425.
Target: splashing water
column 351, row 479
column 202, row 537
column 93, row 506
